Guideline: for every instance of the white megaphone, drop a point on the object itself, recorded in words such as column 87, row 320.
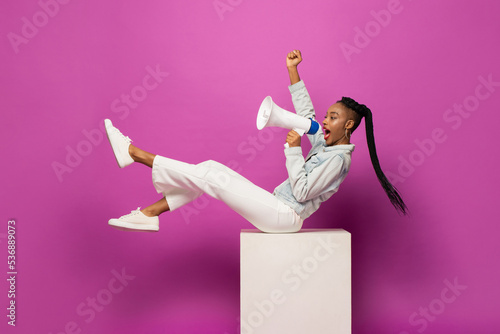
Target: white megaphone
column 270, row 114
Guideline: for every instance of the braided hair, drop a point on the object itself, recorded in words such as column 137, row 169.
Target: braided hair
column 363, row 111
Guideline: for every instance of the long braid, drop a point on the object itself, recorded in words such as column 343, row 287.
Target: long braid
column 389, row 189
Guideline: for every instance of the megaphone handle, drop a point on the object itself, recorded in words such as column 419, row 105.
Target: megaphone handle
column 299, row 131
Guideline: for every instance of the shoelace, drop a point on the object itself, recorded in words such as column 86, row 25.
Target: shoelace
column 121, row 134
column 133, row 213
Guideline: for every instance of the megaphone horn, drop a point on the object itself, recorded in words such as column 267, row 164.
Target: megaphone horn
column 270, row 114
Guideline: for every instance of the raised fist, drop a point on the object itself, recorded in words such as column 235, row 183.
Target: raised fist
column 293, row 58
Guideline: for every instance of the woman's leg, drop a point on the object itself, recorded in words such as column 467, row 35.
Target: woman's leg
column 156, row 208
column 141, row 156
column 255, row 204
column 181, row 183
column 125, row 154
column 179, row 195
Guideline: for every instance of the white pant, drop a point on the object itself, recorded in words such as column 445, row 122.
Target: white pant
column 182, row 183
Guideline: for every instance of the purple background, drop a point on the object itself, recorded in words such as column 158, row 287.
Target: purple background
column 64, row 78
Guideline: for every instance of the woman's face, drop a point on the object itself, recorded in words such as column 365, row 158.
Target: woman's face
column 334, row 125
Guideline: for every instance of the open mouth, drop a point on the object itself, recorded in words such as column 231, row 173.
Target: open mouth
column 327, row 133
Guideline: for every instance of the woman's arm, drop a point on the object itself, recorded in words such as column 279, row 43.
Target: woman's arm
column 300, row 97
column 292, row 60
column 322, row 179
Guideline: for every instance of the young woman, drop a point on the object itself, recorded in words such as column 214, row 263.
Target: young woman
column 310, row 182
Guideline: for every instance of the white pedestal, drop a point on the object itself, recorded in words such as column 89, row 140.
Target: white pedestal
column 296, row 283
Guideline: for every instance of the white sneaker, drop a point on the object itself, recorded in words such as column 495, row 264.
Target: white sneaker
column 119, row 144
column 136, row 221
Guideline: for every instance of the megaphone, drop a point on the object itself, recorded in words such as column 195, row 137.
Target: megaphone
column 270, row 114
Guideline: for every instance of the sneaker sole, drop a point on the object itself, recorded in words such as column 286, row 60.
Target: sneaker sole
column 124, row 226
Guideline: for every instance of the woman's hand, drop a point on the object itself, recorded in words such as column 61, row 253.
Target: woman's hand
column 293, row 58
column 293, row 139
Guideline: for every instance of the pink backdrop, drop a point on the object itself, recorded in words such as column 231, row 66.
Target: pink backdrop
column 184, row 79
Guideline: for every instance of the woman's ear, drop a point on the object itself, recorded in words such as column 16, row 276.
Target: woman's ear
column 349, row 124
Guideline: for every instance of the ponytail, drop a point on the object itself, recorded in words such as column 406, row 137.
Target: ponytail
column 390, row 190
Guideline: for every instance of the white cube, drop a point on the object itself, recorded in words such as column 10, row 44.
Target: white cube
column 295, row 282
